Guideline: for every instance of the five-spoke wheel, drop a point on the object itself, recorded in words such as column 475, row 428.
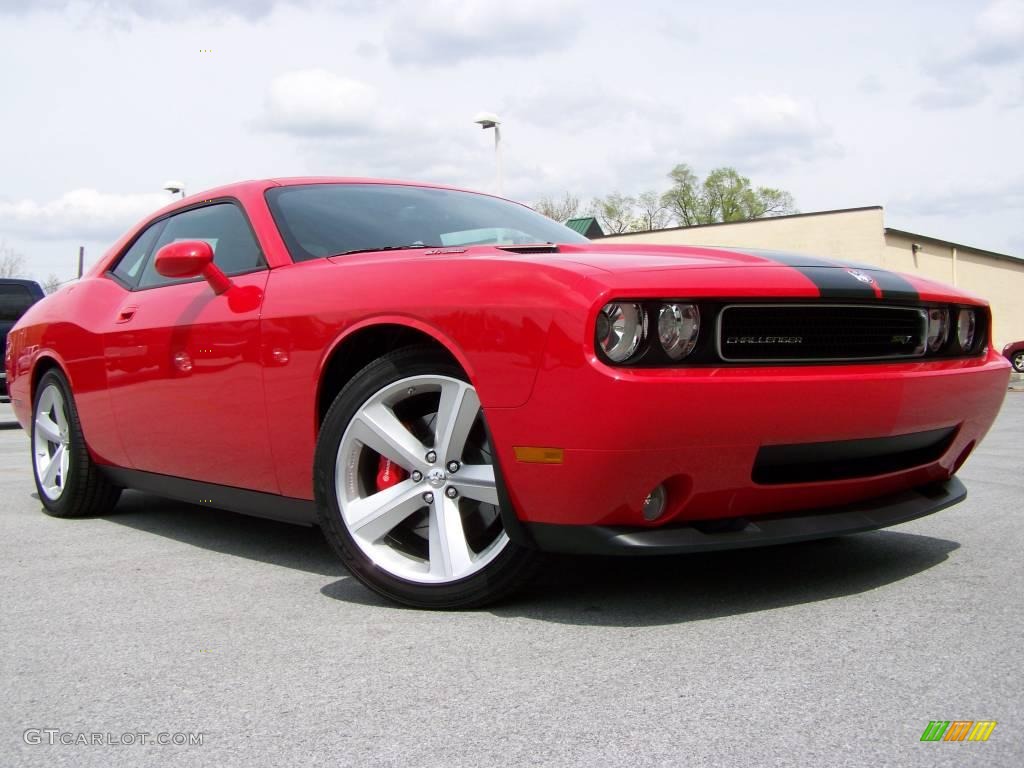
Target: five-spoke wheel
column 407, row 488
column 50, row 442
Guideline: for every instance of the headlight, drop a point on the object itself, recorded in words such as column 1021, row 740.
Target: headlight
column 965, row 324
column 678, row 326
column 621, row 328
column 938, row 328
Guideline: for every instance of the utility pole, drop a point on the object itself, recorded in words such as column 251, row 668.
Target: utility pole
column 81, row 260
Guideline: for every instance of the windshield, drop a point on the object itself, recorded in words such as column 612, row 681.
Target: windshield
column 319, row 220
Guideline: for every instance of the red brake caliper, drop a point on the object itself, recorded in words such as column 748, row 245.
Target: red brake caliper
column 389, row 474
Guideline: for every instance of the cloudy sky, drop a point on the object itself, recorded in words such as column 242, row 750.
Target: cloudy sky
column 917, row 106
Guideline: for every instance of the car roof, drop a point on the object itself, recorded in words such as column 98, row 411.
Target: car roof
column 21, row 281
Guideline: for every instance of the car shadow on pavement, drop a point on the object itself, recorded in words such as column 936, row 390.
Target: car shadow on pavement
column 292, row 546
column 598, row 591
column 649, row 591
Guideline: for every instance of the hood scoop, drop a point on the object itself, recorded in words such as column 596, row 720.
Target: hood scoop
column 530, row 248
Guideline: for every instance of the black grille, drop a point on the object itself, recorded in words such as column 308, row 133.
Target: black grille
column 820, row 332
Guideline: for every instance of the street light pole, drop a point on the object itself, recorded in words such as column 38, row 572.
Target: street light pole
column 174, row 187
column 490, row 120
column 497, row 157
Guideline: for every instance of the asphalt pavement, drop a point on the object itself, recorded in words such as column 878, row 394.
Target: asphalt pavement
column 174, row 622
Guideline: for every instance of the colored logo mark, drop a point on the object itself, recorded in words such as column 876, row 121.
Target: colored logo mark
column 958, row 730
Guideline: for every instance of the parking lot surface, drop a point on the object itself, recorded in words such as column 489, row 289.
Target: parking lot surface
column 165, row 618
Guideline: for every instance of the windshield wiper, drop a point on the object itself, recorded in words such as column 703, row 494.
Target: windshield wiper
column 383, row 248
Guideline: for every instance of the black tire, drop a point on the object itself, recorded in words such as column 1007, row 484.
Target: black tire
column 512, row 567
column 86, row 492
column 1017, row 361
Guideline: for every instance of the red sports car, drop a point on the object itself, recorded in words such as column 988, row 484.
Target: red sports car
column 448, row 383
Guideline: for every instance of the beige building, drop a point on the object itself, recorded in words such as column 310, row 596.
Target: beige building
column 860, row 234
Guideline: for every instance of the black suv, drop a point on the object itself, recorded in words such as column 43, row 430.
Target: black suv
column 16, row 296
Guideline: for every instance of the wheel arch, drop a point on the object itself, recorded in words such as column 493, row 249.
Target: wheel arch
column 44, row 362
column 364, row 342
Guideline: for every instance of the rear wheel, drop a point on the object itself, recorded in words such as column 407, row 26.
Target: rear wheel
column 68, row 482
column 406, row 486
column 1017, row 360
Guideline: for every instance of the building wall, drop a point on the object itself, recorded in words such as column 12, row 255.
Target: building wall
column 1000, row 281
column 860, row 235
column 855, row 235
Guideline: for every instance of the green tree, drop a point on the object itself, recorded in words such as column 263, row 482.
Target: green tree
column 560, row 209
column 683, row 200
column 615, row 213
column 652, row 212
column 724, row 195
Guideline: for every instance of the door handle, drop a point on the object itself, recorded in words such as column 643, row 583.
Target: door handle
column 126, row 314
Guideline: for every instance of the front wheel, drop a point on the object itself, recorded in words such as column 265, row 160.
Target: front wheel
column 406, row 486
column 1017, row 361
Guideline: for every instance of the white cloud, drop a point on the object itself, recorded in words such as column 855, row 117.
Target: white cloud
column 871, row 83
column 315, row 102
column 999, row 34
column 343, row 126
column 86, row 214
column 445, row 32
column 994, row 44
column 996, row 38
column 144, row 9
column 956, row 199
column 952, row 93
column 771, row 130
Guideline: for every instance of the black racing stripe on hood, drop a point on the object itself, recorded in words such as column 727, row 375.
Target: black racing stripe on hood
column 834, row 281
column 894, row 286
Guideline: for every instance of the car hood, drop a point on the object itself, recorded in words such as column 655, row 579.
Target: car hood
column 745, row 272
column 695, row 271
column 647, row 258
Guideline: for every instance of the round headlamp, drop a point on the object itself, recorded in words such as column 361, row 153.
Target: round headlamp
column 965, row 327
column 678, row 326
column 621, row 329
column 938, row 328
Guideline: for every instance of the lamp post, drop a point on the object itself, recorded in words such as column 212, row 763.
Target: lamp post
column 174, row 187
column 490, row 120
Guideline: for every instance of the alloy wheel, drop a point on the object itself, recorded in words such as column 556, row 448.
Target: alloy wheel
column 441, row 521
column 51, row 443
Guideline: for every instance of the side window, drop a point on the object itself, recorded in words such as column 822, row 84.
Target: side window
column 14, row 300
column 223, row 226
column 129, row 267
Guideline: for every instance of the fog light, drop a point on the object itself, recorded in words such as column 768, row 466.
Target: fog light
column 654, row 504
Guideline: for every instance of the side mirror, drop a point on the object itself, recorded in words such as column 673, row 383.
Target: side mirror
column 191, row 258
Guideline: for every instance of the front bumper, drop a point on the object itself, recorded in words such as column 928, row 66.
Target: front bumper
column 700, row 432
column 742, row 532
